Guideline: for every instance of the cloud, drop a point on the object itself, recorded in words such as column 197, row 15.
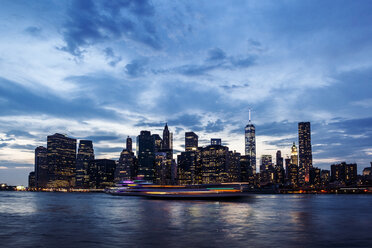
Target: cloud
column 92, row 22
column 216, row 54
column 136, row 68
column 214, row 127
column 33, row 31
column 110, row 55
column 21, row 100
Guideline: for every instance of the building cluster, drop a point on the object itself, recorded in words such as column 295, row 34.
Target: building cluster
column 60, row 165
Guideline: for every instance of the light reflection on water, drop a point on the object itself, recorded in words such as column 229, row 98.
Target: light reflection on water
column 32, row 219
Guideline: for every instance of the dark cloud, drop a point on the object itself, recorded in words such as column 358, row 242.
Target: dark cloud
column 235, row 86
column 136, row 67
column 216, row 59
column 111, row 57
column 216, row 54
column 213, row 127
column 98, row 138
column 20, row 100
column 243, row 62
column 91, row 22
column 20, row 133
column 33, row 31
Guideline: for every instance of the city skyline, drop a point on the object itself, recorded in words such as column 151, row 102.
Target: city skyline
column 157, row 64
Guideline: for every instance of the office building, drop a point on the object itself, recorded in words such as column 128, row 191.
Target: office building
column 305, row 152
column 191, row 141
column 61, row 155
column 250, row 141
column 126, row 168
column 31, row 180
column 101, row 173
column 214, row 161
column 344, row 173
column 41, row 167
column 216, row 142
column 146, row 155
column 84, row 156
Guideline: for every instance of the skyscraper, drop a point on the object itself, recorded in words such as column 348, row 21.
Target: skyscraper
column 305, row 153
column 294, row 155
column 101, row 173
column 84, row 156
column 279, row 159
column 191, row 141
column 41, row 167
column 250, row 141
column 166, row 138
column 129, row 144
column 146, row 156
column 61, row 154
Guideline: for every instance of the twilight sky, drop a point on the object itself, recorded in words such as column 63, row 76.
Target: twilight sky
column 103, row 70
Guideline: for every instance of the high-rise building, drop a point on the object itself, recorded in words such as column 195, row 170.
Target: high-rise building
column 101, row 173
column 246, row 169
column 293, row 175
column 188, row 165
column 31, row 180
column 315, row 177
column 146, row 155
column 61, row 154
column 191, row 141
column 250, row 141
column 344, row 173
column 305, row 151
column 214, row 159
column 294, row 155
column 158, row 142
column 279, row 159
column 129, row 144
column 267, row 172
column 216, row 142
column 234, row 169
column 126, row 168
column 325, row 177
column 279, row 169
column 266, row 162
column 167, row 143
column 84, row 156
column 41, row 167
column 162, row 169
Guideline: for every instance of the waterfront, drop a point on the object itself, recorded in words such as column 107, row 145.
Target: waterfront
column 43, row 219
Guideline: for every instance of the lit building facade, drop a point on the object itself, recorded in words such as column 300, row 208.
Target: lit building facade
column 250, row 142
column 191, row 141
column 214, row 164
column 84, row 156
column 61, row 155
column 145, row 155
column 305, row 152
column 101, row 173
column 126, row 168
column 188, row 167
column 344, row 173
column 41, row 167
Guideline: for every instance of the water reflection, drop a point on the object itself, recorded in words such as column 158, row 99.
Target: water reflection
column 86, row 220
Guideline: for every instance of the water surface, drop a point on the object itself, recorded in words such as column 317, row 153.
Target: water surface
column 43, row 219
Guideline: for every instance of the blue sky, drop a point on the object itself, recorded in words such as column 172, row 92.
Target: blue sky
column 103, row 70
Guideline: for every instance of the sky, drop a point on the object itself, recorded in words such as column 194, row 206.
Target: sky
column 105, row 70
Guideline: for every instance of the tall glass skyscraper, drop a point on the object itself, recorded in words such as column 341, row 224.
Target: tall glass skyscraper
column 61, row 155
column 146, row 155
column 84, row 156
column 305, row 153
column 250, row 142
column 41, row 167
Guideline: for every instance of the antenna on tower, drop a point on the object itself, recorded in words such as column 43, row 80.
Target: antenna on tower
column 249, row 111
